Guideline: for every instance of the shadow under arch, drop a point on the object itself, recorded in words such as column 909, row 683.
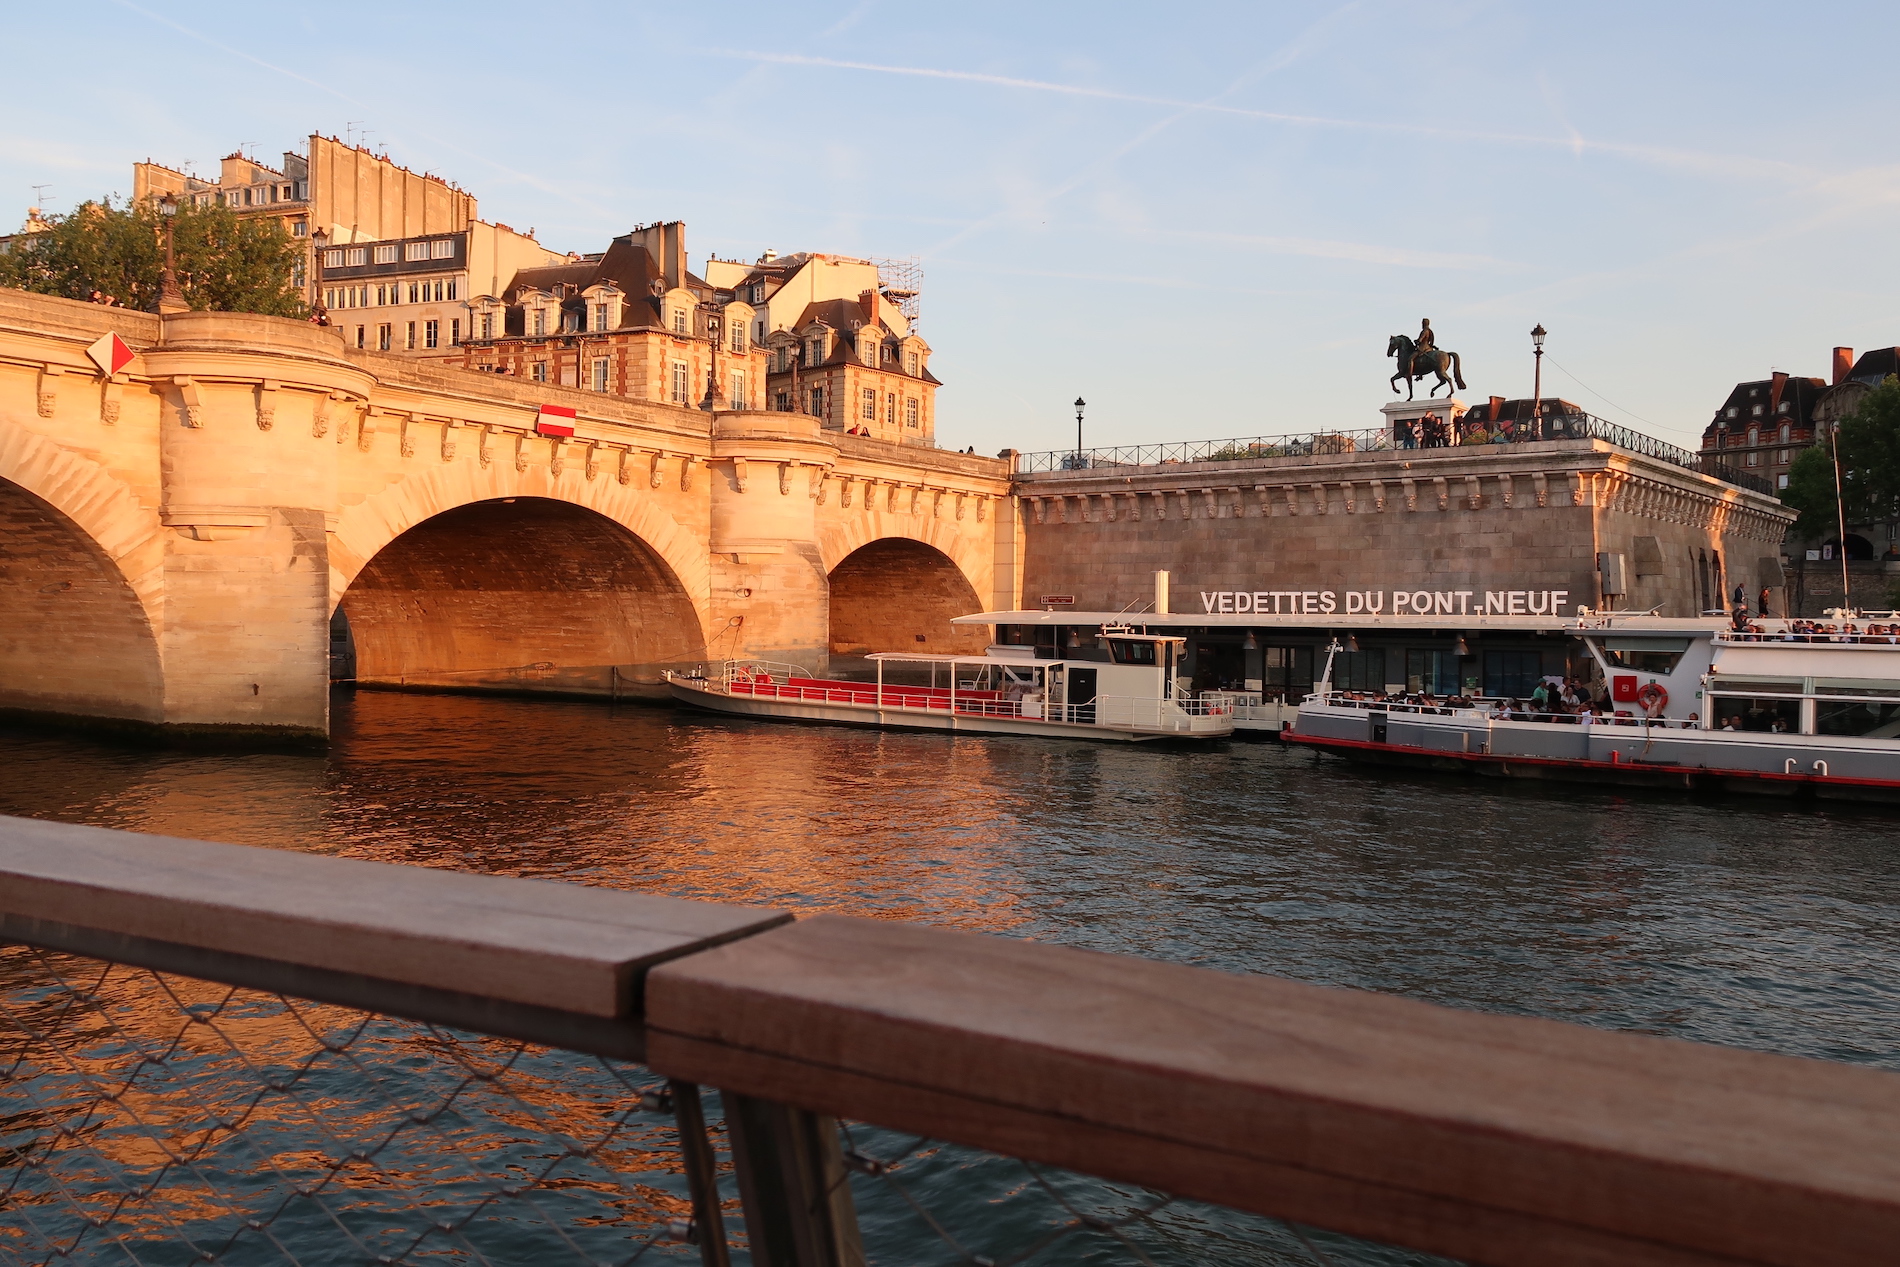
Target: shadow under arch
column 520, row 594
column 898, row 594
column 75, row 640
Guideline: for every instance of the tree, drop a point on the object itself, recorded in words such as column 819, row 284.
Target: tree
column 1869, row 443
column 225, row 263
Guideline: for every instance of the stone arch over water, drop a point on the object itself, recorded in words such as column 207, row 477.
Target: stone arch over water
column 899, row 594
column 519, row 593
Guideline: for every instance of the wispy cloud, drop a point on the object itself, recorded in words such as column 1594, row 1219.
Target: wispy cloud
column 1357, row 252
column 1728, row 166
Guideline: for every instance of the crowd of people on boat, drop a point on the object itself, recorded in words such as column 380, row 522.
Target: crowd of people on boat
column 1747, row 630
column 1555, row 699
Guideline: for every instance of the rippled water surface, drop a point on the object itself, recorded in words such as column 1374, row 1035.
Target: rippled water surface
column 1745, row 923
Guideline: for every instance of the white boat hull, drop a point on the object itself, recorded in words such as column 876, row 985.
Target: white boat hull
column 701, row 693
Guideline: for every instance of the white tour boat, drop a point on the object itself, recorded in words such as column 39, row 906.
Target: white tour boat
column 1129, row 694
column 1783, row 707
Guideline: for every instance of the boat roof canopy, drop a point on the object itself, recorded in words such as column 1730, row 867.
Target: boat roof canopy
column 1472, row 622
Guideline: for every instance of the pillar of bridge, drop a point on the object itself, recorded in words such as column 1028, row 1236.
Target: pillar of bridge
column 769, row 594
column 252, row 412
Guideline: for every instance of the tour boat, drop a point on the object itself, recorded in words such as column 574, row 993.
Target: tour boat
column 1129, row 694
column 1782, row 707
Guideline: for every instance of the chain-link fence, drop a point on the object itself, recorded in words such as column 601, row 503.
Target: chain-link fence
column 152, row 1118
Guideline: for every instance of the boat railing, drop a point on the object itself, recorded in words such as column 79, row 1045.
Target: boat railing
column 1809, row 636
column 1145, row 712
column 1497, row 708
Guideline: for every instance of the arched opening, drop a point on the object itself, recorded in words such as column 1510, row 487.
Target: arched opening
column 73, row 636
column 519, row 594
column 900, row 595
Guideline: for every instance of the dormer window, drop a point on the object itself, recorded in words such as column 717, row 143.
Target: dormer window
column 738, row 336
column 1754, row 435
column 679, row 321
column 540, row 319
column 870, row 352
column 1734, row 412
column 1784, row 433
column 910, row 364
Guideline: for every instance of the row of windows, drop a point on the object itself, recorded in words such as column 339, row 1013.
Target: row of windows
column 812, row 352
column 867, row 408
column 431, row 335
column 392, row 293
column 389, row 253
column 1755, row 411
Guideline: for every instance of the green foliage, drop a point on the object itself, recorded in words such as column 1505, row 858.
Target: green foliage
column 225, row 263
column 1869, row 441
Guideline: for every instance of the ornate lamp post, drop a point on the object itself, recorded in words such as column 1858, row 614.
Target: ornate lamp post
column 170, row 298
column 1537, row 382
column 319, row 312
column 713, row 399
column 1079, row 403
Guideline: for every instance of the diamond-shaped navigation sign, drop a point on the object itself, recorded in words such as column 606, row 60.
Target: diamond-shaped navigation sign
column 110, row 354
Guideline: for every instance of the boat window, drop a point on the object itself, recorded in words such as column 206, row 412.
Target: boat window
column 1645, row 655
column 1758, row 713
column 1866, row 719
column 1881, row 688
column 1759, row 686
column 1127, row 652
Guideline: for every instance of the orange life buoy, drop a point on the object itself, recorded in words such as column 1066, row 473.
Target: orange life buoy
column 1653, row 698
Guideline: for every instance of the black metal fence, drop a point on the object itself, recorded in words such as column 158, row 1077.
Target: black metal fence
column 1469, row 431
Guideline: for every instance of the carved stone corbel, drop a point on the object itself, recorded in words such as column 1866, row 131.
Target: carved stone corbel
column 1507, row 490
column 320, row 416
column 521, row 453
column 405, row 442
column 1348, row 497
column 266, row 404
column 557, row 455
column 1036, row 508
column 1319, row 498
column 936, row 503
column 653, row 473
column 1207, row 500
column 1410, row 488
column 623, row 472
column 844, row 491
column 591, row 468
column 1108, row 508
column 483, row 453
column 1134, row 507
column 739, row 474
column 686, row 473
column 1540, row 488
column 916, row 498
column 187, row 392
column 110, row 399
column 1378, row 496
column 821, row 484
column 1442, row 491
column 449, row 427
column 1160, row 502
column 785, row 479
column 1474, row 495
column 960, row 497
column 48, row 399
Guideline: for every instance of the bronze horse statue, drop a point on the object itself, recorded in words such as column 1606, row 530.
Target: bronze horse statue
column 1414, row 364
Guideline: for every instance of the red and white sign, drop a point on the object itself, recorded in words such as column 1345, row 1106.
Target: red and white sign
column 555, row 420
column 109, row 353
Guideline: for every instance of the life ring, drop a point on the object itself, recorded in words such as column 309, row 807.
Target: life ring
column 1653, row 698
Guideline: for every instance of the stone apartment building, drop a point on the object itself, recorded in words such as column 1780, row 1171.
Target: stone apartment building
column 811, row 334
column 339, row 198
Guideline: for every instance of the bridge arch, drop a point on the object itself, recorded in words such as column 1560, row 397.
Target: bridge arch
column 519, row 593
column 80, row 571
column 899, row 594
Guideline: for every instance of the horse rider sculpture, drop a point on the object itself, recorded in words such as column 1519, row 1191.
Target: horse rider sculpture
column 1419, row 357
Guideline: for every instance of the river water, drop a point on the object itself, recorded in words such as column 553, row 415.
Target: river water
column 1742, row 922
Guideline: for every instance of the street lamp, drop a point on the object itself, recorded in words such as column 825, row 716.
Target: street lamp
column 1537, row 382
column 170, row 298
column 319, row 311
column 712, row 401
column 1079, row 403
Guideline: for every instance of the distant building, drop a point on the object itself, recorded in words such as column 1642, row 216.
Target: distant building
column 338, row 195
column 1763, row 425
column 812, row 334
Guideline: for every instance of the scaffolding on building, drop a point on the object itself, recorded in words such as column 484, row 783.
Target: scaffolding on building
column 900, row 279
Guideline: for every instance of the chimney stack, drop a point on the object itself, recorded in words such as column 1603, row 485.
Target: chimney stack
column 1843, row 364
column 1778, row 384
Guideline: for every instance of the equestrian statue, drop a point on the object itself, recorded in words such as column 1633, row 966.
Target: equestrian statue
column 1420, row 357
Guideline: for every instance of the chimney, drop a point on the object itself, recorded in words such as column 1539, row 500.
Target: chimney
column 1778, row 384
column 1497, row 407
column 1843, row 364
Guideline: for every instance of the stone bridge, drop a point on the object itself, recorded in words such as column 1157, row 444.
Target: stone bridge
column 177, row 540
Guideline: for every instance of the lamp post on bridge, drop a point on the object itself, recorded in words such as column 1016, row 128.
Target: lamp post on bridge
column 713, row 323
column 1537, row 382
column 170, row 298
column 1079, row 403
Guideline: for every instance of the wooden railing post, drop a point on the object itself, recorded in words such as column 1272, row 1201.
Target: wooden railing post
column 702, row 1174
column 793, row 1184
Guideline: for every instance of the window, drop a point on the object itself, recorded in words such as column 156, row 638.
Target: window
column 738, row 336
column 455, row 332
column 910, row 413
column 1734, row 413
column 1359, row 670
column 600, row 316
column 910, row 364
column 409, row 337
column 1122, row 651
column 416, row 251
column 1287, row 671
column 301, row 229
column 1431, row 670
column 1781, row 458
column 431, row 334
column 1755, row 410
column 488, row 325
column 1784, row 436
column 817, row 402
column 869, row 409
column 442, row 249
column 738, row 389
column 681, row 384
column 540, row 371
column 379, row 294
column 386, row 254
column 1782, row 408
column 1781, row 481
column 600, row 374
column 783, row 402
column 382, row 337
column 356, row 256
column 359, row 336
column 815, row 351
column 540, row 320
column 1645, row 655
column 870, row 352
column 1754, row 435
column 890, row 409
column 452, row 290
column 1754, row 457
column 1512, row 674
column 679, row 321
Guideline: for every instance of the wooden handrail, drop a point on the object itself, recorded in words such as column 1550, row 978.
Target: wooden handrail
column 1494, row 1139
column 1501, row 1140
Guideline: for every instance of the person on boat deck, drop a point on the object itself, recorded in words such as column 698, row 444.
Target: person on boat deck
column 1733, row 723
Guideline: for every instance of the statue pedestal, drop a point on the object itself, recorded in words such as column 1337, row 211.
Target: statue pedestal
column 1400, row 413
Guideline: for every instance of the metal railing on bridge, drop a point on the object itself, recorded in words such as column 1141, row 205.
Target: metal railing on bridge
column 216, row 1053
column 1470, row 432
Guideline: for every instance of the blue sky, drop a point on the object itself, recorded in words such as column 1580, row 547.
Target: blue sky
column 1204, row 219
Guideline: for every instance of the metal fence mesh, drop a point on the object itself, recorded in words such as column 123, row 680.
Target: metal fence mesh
column 147, row 1118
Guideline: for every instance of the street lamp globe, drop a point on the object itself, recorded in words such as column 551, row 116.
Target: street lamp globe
column 1537, row 336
